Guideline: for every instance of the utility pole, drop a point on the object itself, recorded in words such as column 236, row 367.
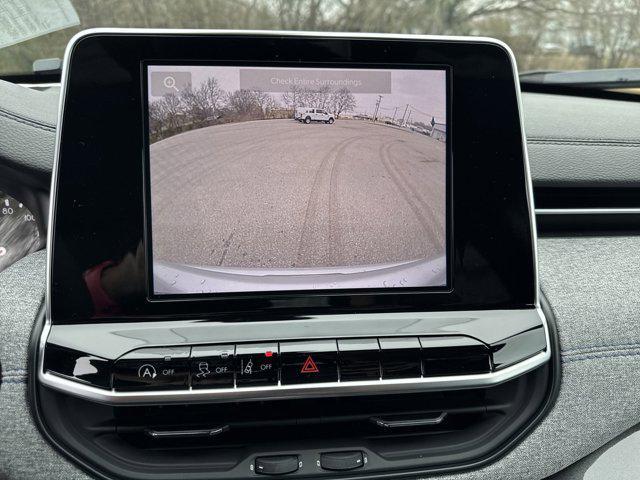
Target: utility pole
column 393, row 120
column 375, row 115
column 404, row 114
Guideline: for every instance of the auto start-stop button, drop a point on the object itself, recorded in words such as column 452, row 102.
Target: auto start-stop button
column 153, row 368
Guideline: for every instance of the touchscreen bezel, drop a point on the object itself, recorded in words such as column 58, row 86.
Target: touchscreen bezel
column 148, row 232
column 100, row 143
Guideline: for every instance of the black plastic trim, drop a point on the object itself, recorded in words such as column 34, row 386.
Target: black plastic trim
column 597, row 223
column 568, row 197
column 577, row 91
column 551, row 396
column 493, row 242
column 33, row 397
column 32, row 78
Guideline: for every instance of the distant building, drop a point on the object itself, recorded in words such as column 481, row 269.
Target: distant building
column 439, row 131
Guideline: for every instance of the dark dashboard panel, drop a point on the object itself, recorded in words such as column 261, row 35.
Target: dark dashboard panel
column 566, row 443
column 99, row 217
column 378, row 381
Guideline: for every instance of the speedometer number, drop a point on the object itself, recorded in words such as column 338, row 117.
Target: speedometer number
column 19, row 234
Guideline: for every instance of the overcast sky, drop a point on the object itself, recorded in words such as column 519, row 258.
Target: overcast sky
column 423, row 90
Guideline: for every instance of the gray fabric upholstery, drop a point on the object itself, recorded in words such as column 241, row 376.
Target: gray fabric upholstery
column 582, row 141
column 21, row 293
column 24, row 454
column 617, row 460
column 593, row 285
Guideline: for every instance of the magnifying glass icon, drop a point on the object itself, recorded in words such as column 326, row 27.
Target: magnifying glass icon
column 170, row 82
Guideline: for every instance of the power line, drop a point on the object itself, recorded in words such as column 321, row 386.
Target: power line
column 424, row 113
column 375, row 115
column 404, row 114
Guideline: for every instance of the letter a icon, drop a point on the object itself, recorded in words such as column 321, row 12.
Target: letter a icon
column 309, row 366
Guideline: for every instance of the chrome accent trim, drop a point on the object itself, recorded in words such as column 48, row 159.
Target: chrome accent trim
column 587, row 211
column 329, row 389
column 407, row 423
column 280, row 392
column 285, row 391
column 37, row 86
column 527, row 173
column 210, row 432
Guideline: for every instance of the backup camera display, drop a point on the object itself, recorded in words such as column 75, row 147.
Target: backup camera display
column 293, row 179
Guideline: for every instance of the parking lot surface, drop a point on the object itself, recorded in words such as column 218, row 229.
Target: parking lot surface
column 282, row 194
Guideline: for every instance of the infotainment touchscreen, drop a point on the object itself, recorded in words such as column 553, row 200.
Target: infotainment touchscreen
column 293, row 179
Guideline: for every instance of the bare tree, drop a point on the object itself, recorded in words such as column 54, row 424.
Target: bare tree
column 172, row 109
column 203, row 103
column 265, row 101
column 342, row 100
column 293, row 98
column 156, row 120
column 307, row 97
column 242, row 102
column 322, row 96
column 212, row 96
column 608, row 29
column 251, row 103
column 604, row 32
column 192, row 105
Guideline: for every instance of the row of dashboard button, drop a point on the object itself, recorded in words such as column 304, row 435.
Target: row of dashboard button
column 299, row 362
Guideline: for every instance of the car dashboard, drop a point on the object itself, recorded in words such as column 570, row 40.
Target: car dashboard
column 516, row 357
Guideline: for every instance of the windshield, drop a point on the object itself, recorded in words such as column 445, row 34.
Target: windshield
column 546, row 35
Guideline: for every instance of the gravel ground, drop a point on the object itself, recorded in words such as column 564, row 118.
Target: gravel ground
column 279, row 193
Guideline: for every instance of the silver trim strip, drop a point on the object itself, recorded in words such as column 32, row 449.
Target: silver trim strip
column 287, row 391
column 527, row 171
column 587, row 211
column 37, row 86
column 281, row 392
column 415, row 422
column 211, row 432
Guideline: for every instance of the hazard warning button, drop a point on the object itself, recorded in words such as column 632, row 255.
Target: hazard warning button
column 308, row 362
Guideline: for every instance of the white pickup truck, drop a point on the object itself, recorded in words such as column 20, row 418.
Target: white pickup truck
column 308, row 115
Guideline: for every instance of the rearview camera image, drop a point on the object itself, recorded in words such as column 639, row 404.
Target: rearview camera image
column 293, row 179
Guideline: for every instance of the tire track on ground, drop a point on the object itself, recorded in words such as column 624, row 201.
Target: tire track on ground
column 325, row 178
column 167, row 173
column 409, row 195
column 428, row 207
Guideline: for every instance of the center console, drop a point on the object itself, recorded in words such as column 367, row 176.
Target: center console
column 289, row 254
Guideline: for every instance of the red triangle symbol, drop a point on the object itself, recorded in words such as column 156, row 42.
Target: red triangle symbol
column 309, row 366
